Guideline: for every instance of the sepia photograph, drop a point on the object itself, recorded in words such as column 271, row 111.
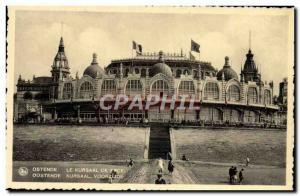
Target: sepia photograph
column 150, row 98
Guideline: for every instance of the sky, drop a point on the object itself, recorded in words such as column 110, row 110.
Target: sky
column 110, row 35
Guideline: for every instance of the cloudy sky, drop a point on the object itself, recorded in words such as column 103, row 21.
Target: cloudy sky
column 110, row 35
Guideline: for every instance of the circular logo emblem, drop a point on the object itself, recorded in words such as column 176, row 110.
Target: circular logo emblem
column 23, row 171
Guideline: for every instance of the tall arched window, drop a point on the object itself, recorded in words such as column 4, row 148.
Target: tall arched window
column 133, row 87
column 108, row 87
column 186, row 88
column 233, row 93
column 211, row 91
column 67, row 91
column 159, row 87
column 86, row 90
column 267, row 97
column 252, row 95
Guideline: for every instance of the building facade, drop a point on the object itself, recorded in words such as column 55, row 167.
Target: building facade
column 222, row 96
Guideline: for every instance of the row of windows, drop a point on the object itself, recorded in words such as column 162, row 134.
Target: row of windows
column 143, row 72
column 33, row 88
column 211, row 90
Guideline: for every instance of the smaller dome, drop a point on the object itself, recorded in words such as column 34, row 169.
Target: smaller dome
column 227, row 71
column 161, row 68
column 94, row 69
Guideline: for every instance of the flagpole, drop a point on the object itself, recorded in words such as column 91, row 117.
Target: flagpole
column 131, row 61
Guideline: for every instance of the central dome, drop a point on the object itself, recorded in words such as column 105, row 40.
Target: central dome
column 94, row 69
column 161, row 67
column 228, row 72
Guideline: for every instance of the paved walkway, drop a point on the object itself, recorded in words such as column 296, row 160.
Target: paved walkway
column 147, row 173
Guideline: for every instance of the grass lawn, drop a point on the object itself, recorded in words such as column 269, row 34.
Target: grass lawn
column 263, row 147
column 75, row 143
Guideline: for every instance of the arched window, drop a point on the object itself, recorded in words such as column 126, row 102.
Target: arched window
column 186, row 72
column 136, row 71
column 186, row 88
column 86, row 90
column 133, row 87
column 143, row 72
column 195, row 73
column 252, row 95
column 114, row 71
column 233, row 93
column 108, row 87
column 267, row 97
column 211, row 91
column 67, row 91
column 159, row 87
column 27, row 95
column 126, row 72
column 178, row 73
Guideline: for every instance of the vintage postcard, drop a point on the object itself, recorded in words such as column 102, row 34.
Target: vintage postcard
column 150, row 98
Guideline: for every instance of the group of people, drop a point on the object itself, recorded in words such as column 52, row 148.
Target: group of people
column 235, row 176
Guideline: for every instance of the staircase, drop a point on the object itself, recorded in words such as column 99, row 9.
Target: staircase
column 159, row 144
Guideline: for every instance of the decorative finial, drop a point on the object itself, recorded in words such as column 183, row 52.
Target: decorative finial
column 226, row 62
column 94, row 59
column 160, row 58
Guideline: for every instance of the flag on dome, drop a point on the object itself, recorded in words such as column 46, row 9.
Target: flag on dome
column 195, row 46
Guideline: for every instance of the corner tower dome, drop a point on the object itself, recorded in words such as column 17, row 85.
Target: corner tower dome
column 161, row 67
column 227, row 71
column 94, row 69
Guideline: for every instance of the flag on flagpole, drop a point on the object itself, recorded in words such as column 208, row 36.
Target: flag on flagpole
column 134, row 45
column 139, row 49
column 192, row 57
column 195, row 46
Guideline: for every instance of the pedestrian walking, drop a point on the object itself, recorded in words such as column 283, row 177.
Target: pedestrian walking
column 171, row 167
column 160, row 165
column 130, row 164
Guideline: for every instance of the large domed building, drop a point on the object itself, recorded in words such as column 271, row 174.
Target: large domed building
column 222, row 97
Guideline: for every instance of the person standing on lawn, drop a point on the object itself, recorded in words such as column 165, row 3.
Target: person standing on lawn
column 231, row 171
column 241, row 176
